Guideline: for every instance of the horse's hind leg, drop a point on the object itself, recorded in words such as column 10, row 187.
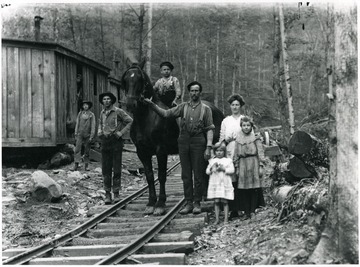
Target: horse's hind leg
column 146, row 161
column 162, row 165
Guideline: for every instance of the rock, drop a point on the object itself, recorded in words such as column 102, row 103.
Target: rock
column 101, row 192
column 125, row 171
column 19, row 175
column 8, row 199
column 45, row 165
column 75, row 176
column 98, row 170
column 68, row 149
column 44, row 188
column 60, row 159
column 60, row 172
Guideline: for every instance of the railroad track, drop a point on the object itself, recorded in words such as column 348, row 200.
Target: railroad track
column 122, row 234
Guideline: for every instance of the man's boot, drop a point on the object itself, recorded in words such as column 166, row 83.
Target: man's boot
column 116, row 197
column 76, row 166
column 197, row 208
column 187, row 208
column 87, row 167
column 107, row 198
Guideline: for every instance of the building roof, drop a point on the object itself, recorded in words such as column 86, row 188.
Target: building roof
column 54, row 47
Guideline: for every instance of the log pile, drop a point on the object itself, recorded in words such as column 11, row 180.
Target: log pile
column 307, row 154
column 300, row 184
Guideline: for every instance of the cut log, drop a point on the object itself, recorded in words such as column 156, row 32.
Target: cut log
column 310, row 149
column 301, row 143
column 299, row 169
column 279, row 194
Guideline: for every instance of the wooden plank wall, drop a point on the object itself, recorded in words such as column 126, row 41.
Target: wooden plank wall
column 28, row 99
column 66, row 90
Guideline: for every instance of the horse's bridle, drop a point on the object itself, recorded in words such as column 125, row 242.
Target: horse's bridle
column 145, row 83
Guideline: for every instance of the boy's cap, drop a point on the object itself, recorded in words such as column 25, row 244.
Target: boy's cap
column 168, row 64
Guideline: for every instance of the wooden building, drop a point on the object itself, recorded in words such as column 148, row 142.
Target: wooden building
column 42, row 86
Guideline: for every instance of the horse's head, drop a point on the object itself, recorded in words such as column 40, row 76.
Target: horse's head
column 136, row 84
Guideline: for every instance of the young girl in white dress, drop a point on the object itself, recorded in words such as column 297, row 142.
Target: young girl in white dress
column 220, row 187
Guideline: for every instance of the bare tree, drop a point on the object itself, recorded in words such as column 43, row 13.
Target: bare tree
column 149, row 41
column 286, row 71
column 277, row 85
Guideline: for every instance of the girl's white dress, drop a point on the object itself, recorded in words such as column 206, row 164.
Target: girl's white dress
column 220, row 185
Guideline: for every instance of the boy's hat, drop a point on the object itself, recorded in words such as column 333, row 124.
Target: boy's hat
column 87, row 102
column 111, row 95
column 219, row 145
column 168, row 64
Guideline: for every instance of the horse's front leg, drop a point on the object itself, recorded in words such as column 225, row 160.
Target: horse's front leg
column 145, row 159
column 162, row 166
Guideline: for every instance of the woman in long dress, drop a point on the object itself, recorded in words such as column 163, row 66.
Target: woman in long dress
column 230, row 128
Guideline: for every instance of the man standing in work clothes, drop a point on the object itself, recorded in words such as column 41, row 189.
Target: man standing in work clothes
column 195, row 143
column 113, row 124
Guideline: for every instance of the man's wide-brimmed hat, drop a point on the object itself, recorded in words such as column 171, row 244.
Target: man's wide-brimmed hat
column 90, row 104
column 111, row 95
column 168, row 64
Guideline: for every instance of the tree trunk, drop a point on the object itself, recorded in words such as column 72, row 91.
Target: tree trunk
column 166, row 38
column 222, row 84
column 102, row 36
column 205, row 65
column 196, row 55
column 216, row 88
column 286, row 71
column 141, row 30
column 82, row 35
column 311, row 77
column 339, row 240
column 239, row 67
column 277, row 86
column 149, row 41
column 55, row 19
column 259, row 68
column 245, row 67
column 234, row 74
column 72, row 30
column 183, row 80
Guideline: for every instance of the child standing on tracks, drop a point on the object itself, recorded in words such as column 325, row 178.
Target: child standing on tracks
column 220, row 187
column 168, row 86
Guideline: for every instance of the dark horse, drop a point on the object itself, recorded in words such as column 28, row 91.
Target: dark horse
column 152, row 134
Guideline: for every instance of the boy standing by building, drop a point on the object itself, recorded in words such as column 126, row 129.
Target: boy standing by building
column 84, row 134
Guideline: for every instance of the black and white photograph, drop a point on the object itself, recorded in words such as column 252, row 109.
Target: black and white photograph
column 179, row 132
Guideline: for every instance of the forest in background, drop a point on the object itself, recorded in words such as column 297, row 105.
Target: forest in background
column 227, row 47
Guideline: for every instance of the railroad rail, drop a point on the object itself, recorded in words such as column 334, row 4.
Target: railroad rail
column 85, row 244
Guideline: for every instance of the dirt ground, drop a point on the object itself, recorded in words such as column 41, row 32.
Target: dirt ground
column 260, row 240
